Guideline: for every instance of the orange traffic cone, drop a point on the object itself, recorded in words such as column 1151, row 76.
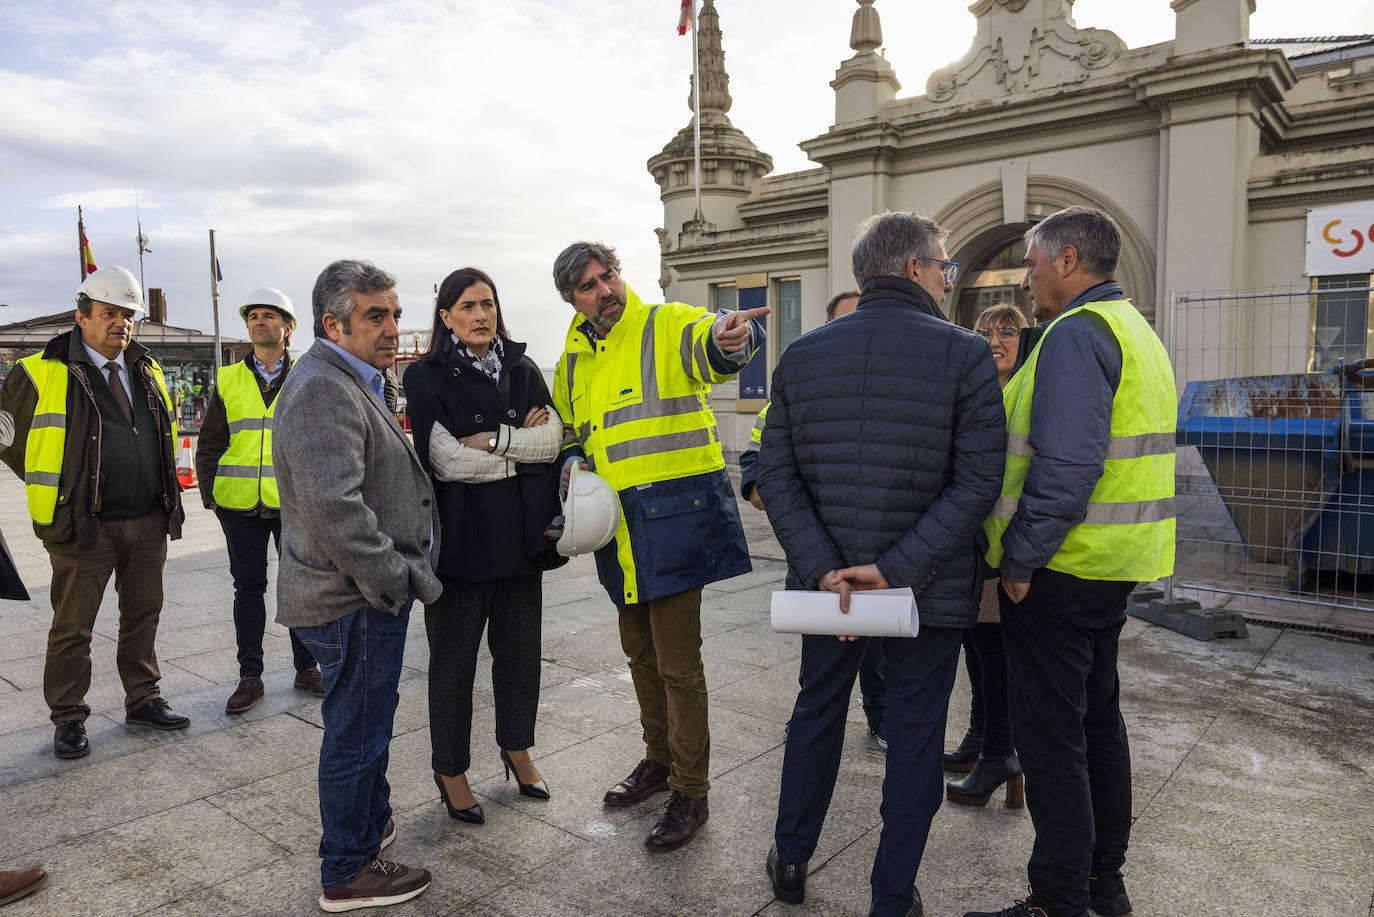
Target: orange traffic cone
column 186, row 471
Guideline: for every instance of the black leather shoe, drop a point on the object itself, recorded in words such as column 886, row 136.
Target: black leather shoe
column 961, row 759
column 537, row 790
column 69, row 739
column 158, row 714
column 682, row 817
column 648, row 778
column 1023, row 908
column 1107, row 895
column 917, row 909
column 987, row 775
column 473, row 814
column 789, row 880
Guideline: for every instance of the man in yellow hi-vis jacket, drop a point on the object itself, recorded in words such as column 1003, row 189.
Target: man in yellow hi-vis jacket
column 1086, row 512
column 88, row 424
column 239, row 482
column 632, row 389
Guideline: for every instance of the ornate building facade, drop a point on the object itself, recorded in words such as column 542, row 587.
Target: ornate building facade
column 1207, row 150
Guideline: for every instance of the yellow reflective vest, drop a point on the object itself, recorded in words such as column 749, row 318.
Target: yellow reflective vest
column 46, row 445
column 1128, row 530
column 245, row 478
column 637, row 404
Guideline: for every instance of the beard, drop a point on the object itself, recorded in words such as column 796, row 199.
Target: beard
column 603, row 322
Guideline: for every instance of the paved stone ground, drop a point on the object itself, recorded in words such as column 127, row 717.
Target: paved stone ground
column 1252, row 773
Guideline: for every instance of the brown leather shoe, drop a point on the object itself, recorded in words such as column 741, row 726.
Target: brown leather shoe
column 682, row 817
column 16, row 883
column 244, row 696
column 309, row 680
column 648, row 778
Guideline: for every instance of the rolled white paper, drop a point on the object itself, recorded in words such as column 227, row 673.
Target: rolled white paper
column 872, row 613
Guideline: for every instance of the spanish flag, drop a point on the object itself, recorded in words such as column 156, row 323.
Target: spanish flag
column 87, row 259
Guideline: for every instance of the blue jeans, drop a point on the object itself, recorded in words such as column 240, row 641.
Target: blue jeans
column 360, row 664
column 920, row 676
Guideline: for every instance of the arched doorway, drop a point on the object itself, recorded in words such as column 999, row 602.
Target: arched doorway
column 990, row 275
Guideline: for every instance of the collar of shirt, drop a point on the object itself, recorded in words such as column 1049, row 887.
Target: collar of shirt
column 371, row 375
column 590, row 331
column 262, row 367
column 100, row 360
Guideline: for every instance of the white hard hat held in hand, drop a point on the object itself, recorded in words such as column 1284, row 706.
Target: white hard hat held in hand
column 115, row 286
column 269, row 296
column 591, row 514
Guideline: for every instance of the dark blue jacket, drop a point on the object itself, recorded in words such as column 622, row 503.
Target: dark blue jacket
column 885, row 444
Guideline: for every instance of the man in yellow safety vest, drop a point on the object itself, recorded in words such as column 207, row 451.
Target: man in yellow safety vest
column 88, row 424
column 631, row 389
column 1086, row 512
column 237, row 480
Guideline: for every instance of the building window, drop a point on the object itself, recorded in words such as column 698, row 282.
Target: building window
column 724, row 296
column 788, row 326
column 1340, row 328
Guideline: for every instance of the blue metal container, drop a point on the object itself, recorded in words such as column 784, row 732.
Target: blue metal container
column 1289, row 456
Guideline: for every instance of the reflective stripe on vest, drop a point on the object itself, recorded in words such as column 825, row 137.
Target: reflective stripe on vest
column 1127, row 532
column 245, row 478
column 46, row 445
column 636, row 401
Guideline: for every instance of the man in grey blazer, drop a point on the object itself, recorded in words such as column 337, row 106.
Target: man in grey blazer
column 359, row 534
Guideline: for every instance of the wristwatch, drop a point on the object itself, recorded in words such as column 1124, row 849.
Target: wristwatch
column 491, row 443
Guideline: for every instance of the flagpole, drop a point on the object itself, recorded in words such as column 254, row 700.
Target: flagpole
column 81, row 243
column 696, row 108
column 214, row 296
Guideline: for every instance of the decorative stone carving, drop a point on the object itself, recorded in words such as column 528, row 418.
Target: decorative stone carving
column 866, row 34
column 723, row 146
column 665, row 273
column 665, row 240
column 1024, row 45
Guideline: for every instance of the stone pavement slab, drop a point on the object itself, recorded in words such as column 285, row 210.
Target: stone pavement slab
column 1251, row 781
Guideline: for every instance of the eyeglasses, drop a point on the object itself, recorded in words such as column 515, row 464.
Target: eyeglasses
column 1005, row 333
column 950, row 269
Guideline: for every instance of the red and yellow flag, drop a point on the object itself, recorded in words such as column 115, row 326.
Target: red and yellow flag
column 87, row 259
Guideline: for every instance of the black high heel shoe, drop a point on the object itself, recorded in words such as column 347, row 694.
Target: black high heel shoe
column 472, row 815
column 538, row 790
column 987, row 775
column 961, row 760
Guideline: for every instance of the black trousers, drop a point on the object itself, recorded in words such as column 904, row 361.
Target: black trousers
column 872, row 684
column 985, row 658
column 1061, row 642
column 509, row 610
column 247, row 537
column 920, row 676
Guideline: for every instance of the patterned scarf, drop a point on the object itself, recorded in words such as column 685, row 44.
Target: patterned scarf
column 490, row 364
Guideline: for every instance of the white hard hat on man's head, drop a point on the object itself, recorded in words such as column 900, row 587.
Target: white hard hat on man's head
column 115, row 286
column 269, row 296
column 591, row 514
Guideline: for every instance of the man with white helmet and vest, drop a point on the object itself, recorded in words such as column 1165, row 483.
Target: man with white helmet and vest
column 92, row 436
column 1086, row 512
column 631, row 388
column 234, row 469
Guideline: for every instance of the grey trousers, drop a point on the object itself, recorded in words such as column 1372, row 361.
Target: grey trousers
column 510, row 611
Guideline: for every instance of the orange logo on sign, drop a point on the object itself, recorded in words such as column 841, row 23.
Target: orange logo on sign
column 1359, row 239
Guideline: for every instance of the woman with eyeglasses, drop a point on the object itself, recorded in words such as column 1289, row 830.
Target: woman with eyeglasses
column 987, row 754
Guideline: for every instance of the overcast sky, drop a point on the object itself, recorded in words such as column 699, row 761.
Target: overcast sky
column 424, row 136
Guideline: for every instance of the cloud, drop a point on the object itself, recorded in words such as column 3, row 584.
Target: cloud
column 97, row 199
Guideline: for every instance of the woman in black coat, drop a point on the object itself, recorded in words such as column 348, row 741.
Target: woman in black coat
column 484, row 426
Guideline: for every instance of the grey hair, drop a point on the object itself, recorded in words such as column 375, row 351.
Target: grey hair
column 573, row 260
column 1091, row 232
column 888, row 241
column 334, row 289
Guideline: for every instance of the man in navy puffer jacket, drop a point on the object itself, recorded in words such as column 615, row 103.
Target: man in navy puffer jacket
column 883, row 451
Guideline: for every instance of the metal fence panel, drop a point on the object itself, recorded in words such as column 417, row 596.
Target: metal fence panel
column 1275, row 476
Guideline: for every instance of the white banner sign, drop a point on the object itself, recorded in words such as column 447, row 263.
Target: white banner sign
column 1340, row 239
